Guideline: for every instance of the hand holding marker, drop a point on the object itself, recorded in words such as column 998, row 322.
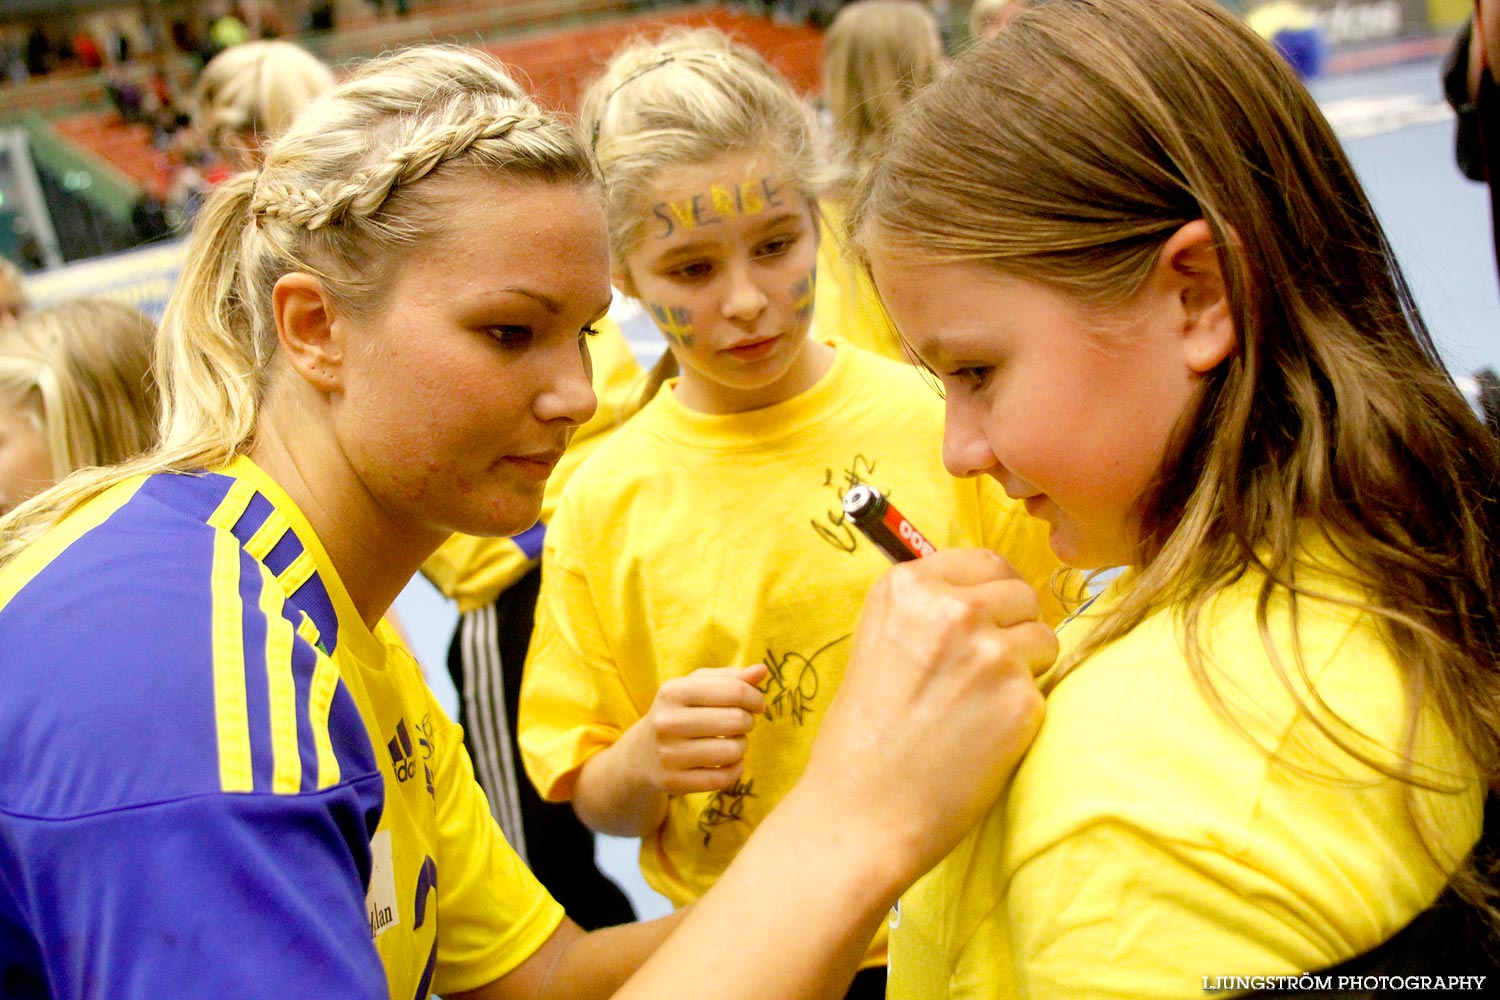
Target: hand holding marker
column 884, row 525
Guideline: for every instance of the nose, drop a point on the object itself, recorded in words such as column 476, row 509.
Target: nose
column 966, row 449
column 568, row 395
column 743, row 298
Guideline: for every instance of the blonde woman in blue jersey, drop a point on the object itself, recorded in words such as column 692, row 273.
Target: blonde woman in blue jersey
column 225, row 776
column 701, row 583
column 1165, row 316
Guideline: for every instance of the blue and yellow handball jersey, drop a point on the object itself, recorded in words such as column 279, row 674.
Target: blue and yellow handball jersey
column 218, row 782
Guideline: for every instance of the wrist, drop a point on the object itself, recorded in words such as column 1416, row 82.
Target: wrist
column 614, row 797
column 637, row 777
column 636, row 764
column 865, row 861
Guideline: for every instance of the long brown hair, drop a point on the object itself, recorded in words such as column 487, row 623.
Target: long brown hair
column 1066, row 151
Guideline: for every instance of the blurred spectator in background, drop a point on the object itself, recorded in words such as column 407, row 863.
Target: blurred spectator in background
column 226, row 31
column 1469, row 83
column 249, row 93
column 39, row 52
column 876, row 55
column 86, row 50
column 320, row 16
column 75, row 391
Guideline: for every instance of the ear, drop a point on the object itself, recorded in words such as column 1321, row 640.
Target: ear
column 310, row 333
column 619, row 276
column 1189, row 264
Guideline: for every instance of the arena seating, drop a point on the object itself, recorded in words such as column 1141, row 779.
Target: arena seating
column 556, row 62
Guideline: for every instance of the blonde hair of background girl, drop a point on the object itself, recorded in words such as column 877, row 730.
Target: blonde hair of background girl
column 12, row 295
column 876, row 55
column 81, row 370
column 988, row 17
column 681, row 101
column 340, row 196
column 1335, row 416
column 249, row 93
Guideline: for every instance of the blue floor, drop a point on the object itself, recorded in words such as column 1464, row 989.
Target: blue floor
column 1438, row 221
column 1400, row 138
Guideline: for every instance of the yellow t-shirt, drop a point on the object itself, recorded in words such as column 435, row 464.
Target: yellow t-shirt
column 474, row 571
column 846, row 304
column 1144, row 844
column 694, row 540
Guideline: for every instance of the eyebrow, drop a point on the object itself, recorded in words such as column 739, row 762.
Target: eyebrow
column 546, row 301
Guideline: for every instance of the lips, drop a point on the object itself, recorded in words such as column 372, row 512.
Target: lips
column 537, row 465
column 753, row 350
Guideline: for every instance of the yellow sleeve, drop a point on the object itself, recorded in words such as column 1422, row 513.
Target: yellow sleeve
column 495, row 914
column 1156, row 835
column 475, row 571
column 1166, row 915
column 1022, row 540
column 573, row 701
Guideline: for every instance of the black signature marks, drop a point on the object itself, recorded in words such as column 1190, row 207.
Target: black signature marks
column 791, row 688
column 791, row 685
column 725, row 806
column 834, row 528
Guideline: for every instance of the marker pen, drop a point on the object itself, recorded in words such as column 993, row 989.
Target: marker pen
column 884, row 525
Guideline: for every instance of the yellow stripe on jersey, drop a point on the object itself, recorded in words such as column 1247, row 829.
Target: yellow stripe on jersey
column 286, row 769
column 267, row 535
column 308, row 631
column 325, row 683
column 231, row 714
column 319, row 703
column 36, row 557
column 298, row 572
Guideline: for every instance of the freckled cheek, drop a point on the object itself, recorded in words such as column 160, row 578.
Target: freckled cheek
column 438, row 450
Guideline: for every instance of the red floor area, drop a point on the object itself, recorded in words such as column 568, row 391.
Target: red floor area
column 126, row 147
column 559, row 65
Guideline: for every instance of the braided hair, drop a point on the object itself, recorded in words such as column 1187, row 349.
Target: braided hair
column 345, row 194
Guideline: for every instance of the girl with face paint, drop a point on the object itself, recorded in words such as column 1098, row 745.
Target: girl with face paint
column 702, row 583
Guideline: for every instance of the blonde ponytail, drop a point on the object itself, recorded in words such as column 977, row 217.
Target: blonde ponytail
column 341, row 196
column 208, row 367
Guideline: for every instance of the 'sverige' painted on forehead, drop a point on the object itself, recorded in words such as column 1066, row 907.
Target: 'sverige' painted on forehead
column 723, row 201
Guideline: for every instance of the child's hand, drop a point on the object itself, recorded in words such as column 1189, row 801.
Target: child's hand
column 696, row 729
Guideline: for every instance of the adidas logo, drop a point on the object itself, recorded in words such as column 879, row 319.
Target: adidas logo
column 401, row 753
